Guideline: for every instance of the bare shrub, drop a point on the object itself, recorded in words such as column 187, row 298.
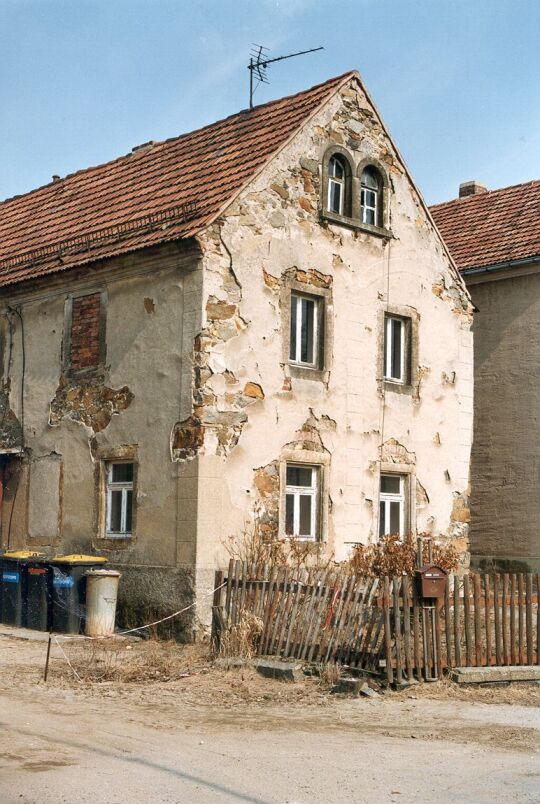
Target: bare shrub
column 241, row 640
column 392, row 555
column 256, row 550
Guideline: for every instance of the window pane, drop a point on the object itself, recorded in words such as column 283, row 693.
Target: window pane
column 397, row 346
column 122, row 473
column 390, row 484
column 116, row 511
column 335, row 168
column 382, row 518
column 299, row 476
column 395, row 519
column 308, row 331
column 289, row 515
column 369, row 216
column 129, row 510
column 305, row 515
column 370, row 179
column 334, row 197
column 292, row 349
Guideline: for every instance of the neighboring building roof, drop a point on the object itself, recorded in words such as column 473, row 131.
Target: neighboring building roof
column 501, row 226
column 160, row 191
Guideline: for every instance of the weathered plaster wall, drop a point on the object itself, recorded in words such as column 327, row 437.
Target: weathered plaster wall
column 273, row 232
column 505, row 502
column 152, row 315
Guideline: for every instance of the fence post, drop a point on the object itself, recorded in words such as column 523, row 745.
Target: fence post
column 387, row 631
column 217, row 614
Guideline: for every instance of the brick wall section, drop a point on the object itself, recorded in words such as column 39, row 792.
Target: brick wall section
column 85, row 323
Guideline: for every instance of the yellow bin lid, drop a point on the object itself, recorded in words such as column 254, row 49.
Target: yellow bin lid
column 78, row 559
column 23, row 554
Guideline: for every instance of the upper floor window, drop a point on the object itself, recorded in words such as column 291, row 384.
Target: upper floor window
column 306, row 330
column 336, row 184
column 371, row 196
column 396, row 349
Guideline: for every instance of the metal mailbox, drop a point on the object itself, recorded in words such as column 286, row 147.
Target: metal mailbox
column 431, row 581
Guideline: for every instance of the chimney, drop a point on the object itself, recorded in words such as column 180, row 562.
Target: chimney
column 468, row 188
column 56, row 178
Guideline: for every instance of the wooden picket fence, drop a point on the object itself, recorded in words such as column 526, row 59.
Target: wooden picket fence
column 484, row 620
column 315, row 616
column 382, row 625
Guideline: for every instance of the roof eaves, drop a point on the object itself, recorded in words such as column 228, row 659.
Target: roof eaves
column 500, row 266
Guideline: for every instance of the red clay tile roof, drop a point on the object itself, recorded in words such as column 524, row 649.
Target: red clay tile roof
column 169, row 190
column 491, row 228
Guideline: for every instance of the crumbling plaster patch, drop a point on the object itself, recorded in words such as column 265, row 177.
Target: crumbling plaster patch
column 88, row 402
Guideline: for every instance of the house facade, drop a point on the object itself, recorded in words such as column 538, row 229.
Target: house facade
column 253, row 326
column 495, row 240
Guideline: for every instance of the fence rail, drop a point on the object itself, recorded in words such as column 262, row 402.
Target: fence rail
column 370, row 623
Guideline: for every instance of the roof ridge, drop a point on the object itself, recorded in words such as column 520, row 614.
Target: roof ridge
column 208, row 126
column 484, row 195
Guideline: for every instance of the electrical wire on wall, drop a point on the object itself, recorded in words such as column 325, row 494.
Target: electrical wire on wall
column 386, row 285
column 17, row 312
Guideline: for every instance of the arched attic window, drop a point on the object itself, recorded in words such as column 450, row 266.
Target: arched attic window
column 371, row 196
column 339, row 186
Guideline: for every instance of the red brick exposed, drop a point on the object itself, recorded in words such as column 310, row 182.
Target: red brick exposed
column 206, row 168
column 494, row 227
column 85, row 325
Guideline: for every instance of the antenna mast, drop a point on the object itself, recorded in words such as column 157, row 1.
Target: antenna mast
column 258, row 63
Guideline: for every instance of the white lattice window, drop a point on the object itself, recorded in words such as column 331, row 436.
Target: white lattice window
column 336, row 185
column 302, row 501
column 392, row 508
column 396, row 348
column 304, row 346
column 370, row 196
column 119, row 492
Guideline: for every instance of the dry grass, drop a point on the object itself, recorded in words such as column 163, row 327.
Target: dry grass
column 330, row 673
column 141, row 663
column 241, row 640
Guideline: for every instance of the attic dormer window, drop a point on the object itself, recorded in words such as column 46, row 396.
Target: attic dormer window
column 336, row 184
column 371, row 196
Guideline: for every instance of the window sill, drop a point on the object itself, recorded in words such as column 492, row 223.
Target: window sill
column 111, row 542
column 397, row 387
column 306, row 373
column 353, row 223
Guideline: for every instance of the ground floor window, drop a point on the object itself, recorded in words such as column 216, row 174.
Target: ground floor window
column 302, row 501
column 119, row 513
column 392, row 508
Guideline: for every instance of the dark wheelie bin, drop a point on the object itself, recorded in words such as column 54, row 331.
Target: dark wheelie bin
column 38, row 595
column 14, row 586
column 68, row 606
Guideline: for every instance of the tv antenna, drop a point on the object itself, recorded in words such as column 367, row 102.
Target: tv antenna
column 258, row 63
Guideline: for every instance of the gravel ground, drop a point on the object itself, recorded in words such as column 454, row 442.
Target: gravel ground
column 164, row 725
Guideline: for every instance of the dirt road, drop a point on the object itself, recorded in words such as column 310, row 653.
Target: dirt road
column 216, row 736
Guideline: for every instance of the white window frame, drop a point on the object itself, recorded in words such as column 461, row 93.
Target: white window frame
column 296, row 492
column 296, row 300
column 124, row 488
column 365, row 207
column 339, row 182
column 389, row 322
column 386, row 498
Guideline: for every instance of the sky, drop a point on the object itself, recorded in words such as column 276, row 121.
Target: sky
column 83, row 81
